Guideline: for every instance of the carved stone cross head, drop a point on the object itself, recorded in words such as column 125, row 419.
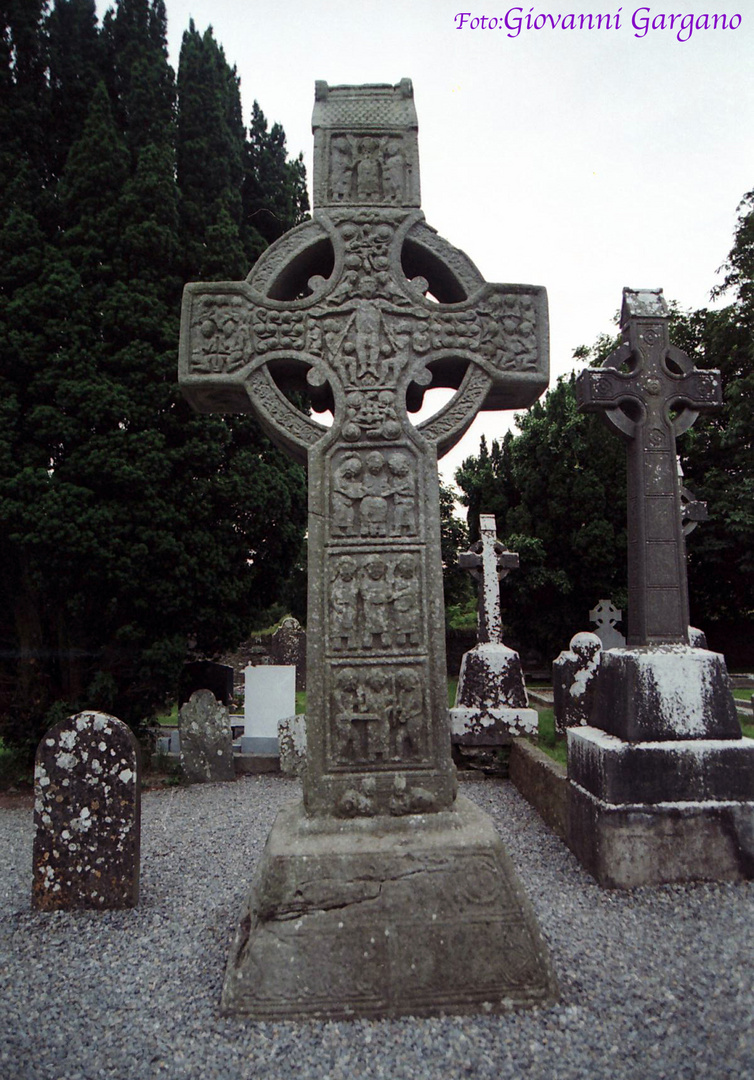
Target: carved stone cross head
column 488, row 562
column 363, row 308
column 605, row 614
column 649, row 392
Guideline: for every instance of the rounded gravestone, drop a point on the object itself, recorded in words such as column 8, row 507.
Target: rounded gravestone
column 87, row 815
column 206, row 739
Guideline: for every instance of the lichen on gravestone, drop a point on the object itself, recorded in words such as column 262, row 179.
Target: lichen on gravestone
column 87, row 815
column 206, row 739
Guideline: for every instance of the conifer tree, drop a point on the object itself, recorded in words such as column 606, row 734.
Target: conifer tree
column 130, row 525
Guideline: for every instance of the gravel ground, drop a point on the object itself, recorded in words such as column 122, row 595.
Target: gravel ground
column 654, row 982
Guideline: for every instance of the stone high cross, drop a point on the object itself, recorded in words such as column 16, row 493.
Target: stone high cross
column 649, row 392
column 364, row 307
column 489, row 562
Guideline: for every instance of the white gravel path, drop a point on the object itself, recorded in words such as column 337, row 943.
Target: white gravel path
column 655, row 983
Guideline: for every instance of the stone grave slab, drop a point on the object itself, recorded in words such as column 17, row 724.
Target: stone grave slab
column 364, row 307
column 292, row 743
column 491, row 705
column 269, row 697
column 289, row 647
column 206, row 741
column 658, row 777
column 87, row 815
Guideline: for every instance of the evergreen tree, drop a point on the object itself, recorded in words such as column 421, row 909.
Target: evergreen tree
column 274, row 190
column 76, row 59
column 210, row 155
column 718, row 453
column 130, row 525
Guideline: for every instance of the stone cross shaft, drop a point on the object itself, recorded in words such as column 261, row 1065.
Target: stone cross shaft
column 488, row 562
column 649, row 392
column 363, row 308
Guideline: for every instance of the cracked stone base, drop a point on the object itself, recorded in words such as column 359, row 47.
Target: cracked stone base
column 422, row 915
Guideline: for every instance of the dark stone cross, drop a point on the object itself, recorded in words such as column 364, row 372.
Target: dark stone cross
column 649, row 392
column 364, row 307
column 489, row 562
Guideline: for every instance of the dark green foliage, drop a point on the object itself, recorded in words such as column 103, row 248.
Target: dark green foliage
column 210, row 161
column 718, row 453
column 454, row 538
column 557, row 490
column 274, row 188
column 133, row 531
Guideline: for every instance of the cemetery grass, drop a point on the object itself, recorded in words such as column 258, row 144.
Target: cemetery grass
column 553, row 745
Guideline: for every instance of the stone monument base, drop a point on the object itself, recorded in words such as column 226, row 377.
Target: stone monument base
column 491, row 727
column 652, row 813
column 491, row 700
column 420, row 915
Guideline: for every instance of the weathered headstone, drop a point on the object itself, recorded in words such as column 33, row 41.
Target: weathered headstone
column 206, row 739
column 87, row 815
column 292, row 744
column 269, row 697
column 289, row 647
column 662, row 784
column 206, row 675
column 411, row 906
column 574, row 679
column 491, row 705
column 605, row 615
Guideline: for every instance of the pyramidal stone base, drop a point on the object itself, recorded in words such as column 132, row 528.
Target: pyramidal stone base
column 491, row 706
column 420, row 915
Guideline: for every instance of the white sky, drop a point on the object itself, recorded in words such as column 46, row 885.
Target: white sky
column 580, row 160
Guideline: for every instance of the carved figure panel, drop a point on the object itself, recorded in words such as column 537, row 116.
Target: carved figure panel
column 371, row 169
column 375, row 603
column 378, row 716
column 373, row 494
column 220, row 338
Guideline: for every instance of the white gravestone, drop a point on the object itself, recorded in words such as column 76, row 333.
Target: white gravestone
column 269, row 696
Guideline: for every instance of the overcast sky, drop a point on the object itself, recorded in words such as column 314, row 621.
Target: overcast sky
column 581, row 160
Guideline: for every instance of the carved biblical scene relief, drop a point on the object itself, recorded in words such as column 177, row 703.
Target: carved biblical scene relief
column 370, row 168
column 375, row 603
column 373, row 494
column 378, row 716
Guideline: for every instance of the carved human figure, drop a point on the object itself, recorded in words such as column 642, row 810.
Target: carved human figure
column 376, row 689
column 404, row 500
column 375, row 592
column 374, row 505
column 368, row 170
column 350, row 702
column 344, row 596
column 340, row 168
column 404, row 716
column 367, row 324
column 347, row 490
column 406, row 606
column 394, row 170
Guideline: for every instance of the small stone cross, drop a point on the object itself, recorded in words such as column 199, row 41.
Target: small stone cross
column 363, row 308
column 489, row 562
column 605, row 614
column 649, row 392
